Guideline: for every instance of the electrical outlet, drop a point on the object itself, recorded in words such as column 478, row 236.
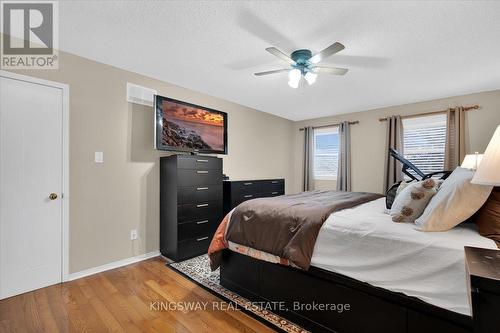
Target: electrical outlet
column 133, row 234
column 99, row 157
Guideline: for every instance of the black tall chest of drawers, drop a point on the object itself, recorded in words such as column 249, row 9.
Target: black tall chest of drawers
column 190, row 204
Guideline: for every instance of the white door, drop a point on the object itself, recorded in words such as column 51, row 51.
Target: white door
column 31, row 148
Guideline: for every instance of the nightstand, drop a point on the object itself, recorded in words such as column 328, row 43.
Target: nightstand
column 483, row 274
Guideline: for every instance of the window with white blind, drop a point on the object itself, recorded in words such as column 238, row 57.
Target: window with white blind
column 326, row 153
column 424, row 142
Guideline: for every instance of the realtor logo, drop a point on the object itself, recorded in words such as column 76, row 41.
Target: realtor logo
column 29, row 34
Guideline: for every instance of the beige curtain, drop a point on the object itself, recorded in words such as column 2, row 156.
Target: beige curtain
column 454, row 152
column 393, row 171
column 344, row 163
column 308, row 177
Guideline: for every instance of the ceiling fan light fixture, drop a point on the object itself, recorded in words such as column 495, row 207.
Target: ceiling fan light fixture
column 294, row 83
column 294, row 74
column 294, row 77
column 310, row 77
column 302, row 65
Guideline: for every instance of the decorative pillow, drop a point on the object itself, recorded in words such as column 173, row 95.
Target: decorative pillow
column 456, row 201
column 393, row 192
column 412, row 200
column 401, row 187
column 487, row 217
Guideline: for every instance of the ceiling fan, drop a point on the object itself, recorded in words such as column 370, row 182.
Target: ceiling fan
column 304, row 64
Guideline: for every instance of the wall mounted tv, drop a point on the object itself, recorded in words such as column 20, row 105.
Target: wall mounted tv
column 187, row 127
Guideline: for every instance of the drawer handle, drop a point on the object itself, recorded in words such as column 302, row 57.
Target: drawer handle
column 274, row 193
column 202, row 222
column 201, row 188
column 202, row 161
column 274, row 182
column 202, row 205
column 201, row 239
column 202, row 171
column 248, row 196
column 246, row 184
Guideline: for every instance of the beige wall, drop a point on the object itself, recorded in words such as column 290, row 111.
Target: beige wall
column 108, row 200
column 368, row 137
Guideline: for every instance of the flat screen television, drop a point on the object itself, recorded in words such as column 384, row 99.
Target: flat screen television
column 187, row 127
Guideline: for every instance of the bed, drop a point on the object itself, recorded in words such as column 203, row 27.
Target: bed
column 426, row 265
column 419, row 284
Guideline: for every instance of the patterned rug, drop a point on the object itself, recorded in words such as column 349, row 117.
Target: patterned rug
column 198, row 270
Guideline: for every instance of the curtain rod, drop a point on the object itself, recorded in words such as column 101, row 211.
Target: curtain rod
column 331, row 125
column 466, row 108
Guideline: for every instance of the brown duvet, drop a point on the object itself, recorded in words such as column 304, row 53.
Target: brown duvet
column 287, row 226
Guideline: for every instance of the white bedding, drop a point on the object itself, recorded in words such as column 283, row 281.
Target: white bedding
column 363, row 243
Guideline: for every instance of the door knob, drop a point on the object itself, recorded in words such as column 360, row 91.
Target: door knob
column 52, row 196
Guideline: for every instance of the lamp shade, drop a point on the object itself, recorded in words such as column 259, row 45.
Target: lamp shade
column 472, row 161
column 488, row 173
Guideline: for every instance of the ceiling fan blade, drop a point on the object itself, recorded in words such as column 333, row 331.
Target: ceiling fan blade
column 329, row 70
column 272, row 72
column 277, row 53
column 330, row 50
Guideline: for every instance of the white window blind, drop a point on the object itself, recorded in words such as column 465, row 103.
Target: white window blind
column 326, row 153
column 424, row 142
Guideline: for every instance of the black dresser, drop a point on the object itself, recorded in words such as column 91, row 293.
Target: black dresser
column 190, row 204
column 483, row 273
column 235, row 192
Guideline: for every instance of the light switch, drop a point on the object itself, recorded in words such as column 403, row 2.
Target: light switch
column 133, row 234
column 99, row 157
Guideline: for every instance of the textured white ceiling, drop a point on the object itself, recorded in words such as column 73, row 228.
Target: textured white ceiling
column 397, row 52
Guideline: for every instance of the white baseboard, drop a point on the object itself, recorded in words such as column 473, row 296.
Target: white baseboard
column 111, row 265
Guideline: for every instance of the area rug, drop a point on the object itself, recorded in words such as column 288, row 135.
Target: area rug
column 198, row 270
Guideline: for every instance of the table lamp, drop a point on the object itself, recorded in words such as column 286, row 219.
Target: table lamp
column 472, row 161
column 488, row 172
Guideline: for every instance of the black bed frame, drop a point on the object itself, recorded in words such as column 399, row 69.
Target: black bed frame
column 371, row 309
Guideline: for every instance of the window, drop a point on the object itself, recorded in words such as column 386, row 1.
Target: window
column 424, row 142
column 326, row 153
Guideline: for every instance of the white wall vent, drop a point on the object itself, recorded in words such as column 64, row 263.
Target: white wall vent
column 140, row 95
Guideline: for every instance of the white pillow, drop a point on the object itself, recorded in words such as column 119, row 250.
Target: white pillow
column 456, row 201
column 412, row 200
column 401, row 187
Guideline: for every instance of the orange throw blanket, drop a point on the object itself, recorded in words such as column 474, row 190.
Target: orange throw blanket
column 218, row 243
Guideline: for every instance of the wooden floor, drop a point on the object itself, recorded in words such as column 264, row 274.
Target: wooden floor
column 122, row 300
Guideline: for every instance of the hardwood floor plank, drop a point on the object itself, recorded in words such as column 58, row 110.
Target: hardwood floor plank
column 46, row 316
column 137, row 278
column 161, row 327
column 193, row 323
column 5, row 326
column 13, row 312
column 80, row 310
column 105, row 296
column 55, row 296
column 123, row 300
column 112, row 325
column 35, row 324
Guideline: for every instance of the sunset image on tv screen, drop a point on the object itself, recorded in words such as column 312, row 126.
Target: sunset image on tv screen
column 191, row 127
